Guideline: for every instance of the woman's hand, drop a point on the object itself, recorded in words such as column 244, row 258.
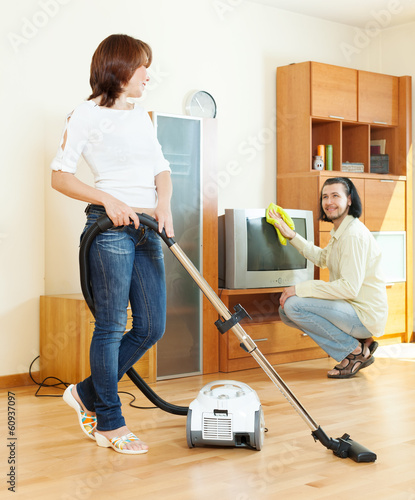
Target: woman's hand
column 285, row 230
column 120, row 213
column 288, row 292
column 164, row 218
column 163, row 211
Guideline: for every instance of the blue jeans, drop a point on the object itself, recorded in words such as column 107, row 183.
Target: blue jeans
column 126, row 265
column 332, row 324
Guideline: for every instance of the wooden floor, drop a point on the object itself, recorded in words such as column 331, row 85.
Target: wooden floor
column 377, row 408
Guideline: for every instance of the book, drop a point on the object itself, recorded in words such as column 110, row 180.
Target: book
column 381, row 146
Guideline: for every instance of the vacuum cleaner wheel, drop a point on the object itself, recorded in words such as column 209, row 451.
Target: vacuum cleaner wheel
column 188, row 429
column 259, row 429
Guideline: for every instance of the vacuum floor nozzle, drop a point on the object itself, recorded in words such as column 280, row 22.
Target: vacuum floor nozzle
column 344, row 447
column 356, row 451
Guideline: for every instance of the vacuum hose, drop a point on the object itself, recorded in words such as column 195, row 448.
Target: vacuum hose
column 103, row 224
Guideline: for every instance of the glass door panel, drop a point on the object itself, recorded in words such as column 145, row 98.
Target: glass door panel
column 179, row 351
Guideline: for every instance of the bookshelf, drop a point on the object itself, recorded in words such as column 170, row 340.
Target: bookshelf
column 320, row 104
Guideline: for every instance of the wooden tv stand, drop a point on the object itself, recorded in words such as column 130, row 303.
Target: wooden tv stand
column 278, row 342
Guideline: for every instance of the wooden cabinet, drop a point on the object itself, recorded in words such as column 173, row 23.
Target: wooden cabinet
column 378, row 98
column 353, row 95
column 397, row 305
column 66, row 328
column 333, row 91
column 278, row 342
column 307, row 118
column 385, row 202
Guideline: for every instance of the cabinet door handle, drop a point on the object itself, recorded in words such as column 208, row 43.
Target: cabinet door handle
column 380, row 123
column 386, row 180
column 260, row 340
column 304, row 335
column 337, row 117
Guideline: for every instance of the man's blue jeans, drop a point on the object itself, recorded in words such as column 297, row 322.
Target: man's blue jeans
column 126, row 265
column 332, row 324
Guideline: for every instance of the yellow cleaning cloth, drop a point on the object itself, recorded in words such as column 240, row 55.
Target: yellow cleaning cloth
column 285, row 217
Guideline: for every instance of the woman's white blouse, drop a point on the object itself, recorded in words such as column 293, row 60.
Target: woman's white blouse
column 120, row 147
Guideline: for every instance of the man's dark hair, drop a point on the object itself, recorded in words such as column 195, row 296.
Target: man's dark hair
column 355, row 208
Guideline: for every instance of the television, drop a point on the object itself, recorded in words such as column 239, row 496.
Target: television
column 251, row 255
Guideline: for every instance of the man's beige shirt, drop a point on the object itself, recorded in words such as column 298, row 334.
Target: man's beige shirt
column 353, row 259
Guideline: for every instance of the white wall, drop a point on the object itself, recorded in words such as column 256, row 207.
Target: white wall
column 228, row 48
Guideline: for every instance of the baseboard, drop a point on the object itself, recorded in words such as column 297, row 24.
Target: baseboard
column 17, row 380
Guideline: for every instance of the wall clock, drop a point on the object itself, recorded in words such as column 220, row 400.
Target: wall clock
column 201, row 104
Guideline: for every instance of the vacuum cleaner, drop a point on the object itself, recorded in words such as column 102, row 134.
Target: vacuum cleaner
column 226, row 413
column 343, row 447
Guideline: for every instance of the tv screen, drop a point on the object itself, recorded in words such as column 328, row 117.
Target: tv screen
column 266, row 253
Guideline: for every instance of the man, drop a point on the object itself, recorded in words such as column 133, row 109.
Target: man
column 341, row 315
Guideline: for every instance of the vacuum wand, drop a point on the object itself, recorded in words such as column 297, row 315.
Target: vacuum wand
column 343, row 447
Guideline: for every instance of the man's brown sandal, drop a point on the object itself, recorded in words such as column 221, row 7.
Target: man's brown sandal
column 372, row 347
column 355, row 363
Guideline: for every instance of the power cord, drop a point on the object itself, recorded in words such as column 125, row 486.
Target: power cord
column 136, row 406
column 66, row 384
column 43, row 384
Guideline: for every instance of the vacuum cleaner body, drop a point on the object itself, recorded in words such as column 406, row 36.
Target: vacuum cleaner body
column 226, row 413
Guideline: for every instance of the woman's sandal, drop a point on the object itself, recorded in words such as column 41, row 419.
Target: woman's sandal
column 355, row 363
column 87, row 422
column 118, row 443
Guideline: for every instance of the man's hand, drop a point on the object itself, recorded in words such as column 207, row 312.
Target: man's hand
column 288, row 292
column 285, row 230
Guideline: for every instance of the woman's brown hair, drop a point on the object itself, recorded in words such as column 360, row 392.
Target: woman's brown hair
column 114, row 63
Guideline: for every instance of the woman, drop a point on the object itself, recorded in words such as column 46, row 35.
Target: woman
column 343, row 314
column 118, row 142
